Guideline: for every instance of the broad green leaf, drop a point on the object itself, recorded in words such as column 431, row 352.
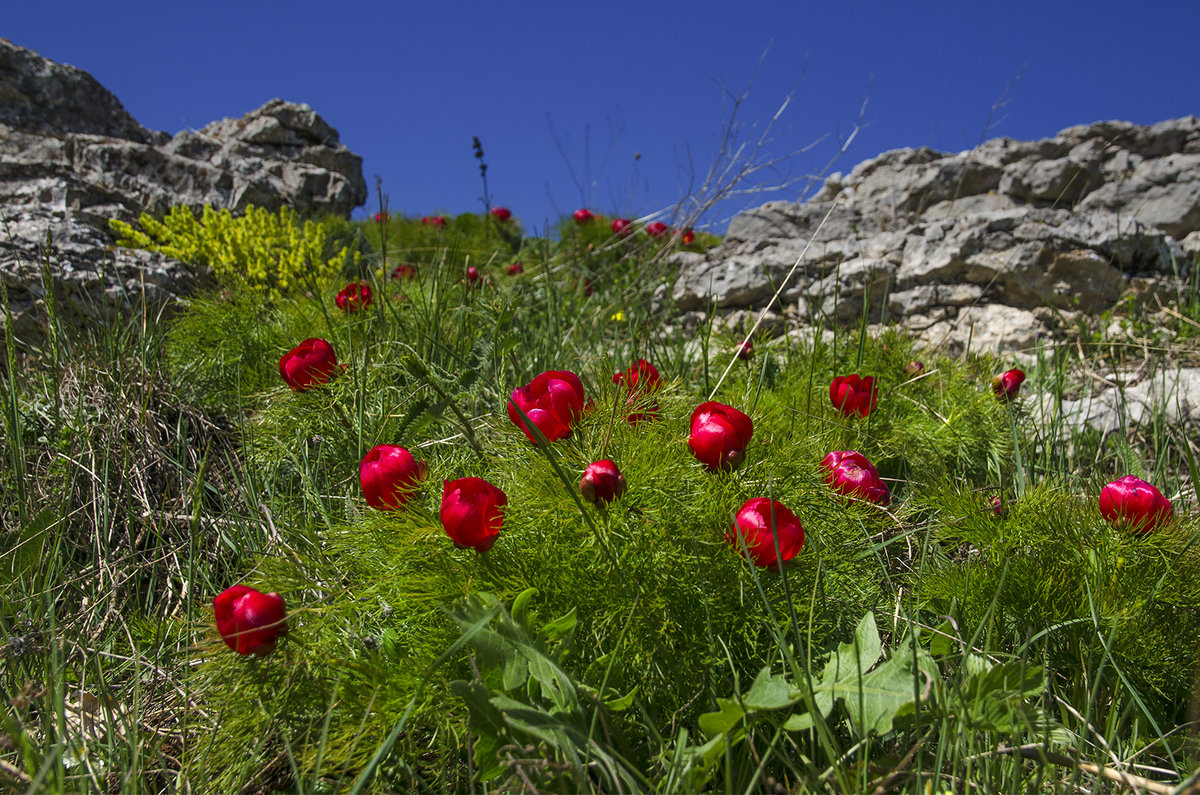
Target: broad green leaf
column 799, row 721
column 768, row 691
column 716, row 723
column 944, row 640
column 994, row 700
column 854, row 659
column 844, row 669
column 885, row 690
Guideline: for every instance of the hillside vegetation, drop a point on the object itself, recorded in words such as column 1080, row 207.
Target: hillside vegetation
column 989, row 625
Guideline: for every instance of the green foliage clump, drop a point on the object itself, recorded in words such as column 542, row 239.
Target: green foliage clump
column 1050, row 575
column 261, row 250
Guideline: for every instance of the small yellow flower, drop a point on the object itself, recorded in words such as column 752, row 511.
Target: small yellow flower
column 618, row 316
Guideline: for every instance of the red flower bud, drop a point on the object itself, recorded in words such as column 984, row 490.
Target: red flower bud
column 657, row 229
column 602, row 482
column 389, row 476
column 472, row 512
column 745, row 350
column 473, row 277
column 1134, row 503
column 353, row 297
column 761, row 522
column 621, row 227
column 640, row 377
column 849, row 472
column 583, row 216
column 553, row 401
column 438, row 221
column 997, row 505
column 852, row 394
column 515, row 269
column 719, row 435
column 501, row 214
column 1008, row 384
column 250, row 622
column 310, row 363
column 404, row 272
column 914, row 368
column 381, row 217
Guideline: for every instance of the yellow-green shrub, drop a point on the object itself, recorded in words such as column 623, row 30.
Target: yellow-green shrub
column 260, row 250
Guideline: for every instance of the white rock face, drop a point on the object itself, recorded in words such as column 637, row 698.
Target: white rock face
column 71, row 158
column 987, row 244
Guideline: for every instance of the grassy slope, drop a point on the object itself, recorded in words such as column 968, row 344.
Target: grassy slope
column 158, row 466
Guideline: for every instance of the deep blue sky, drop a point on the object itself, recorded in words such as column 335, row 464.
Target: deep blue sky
column 408, row 84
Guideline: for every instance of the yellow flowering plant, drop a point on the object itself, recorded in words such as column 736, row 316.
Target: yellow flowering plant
column 260, row 250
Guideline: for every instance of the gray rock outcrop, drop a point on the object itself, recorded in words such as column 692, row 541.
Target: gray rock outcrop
column 72, row 157
column 996, row 245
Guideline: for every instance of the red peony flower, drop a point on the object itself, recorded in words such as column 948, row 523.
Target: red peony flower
column 404, row 272
column 641, row 380
column 852, row 394
column 309, row 364
column 472, row 512
column 501, row 214
column 434, row 220
column 250, row 622
column 553, row 401
column 602, row 482
column 849, row 472
column 473, row 277
column 583, row 216
column 621, row 227
column 389, row 476
column 762, row 522
column 641, row 376
column 745, row 350
column 1132, row 502
column 719, row 435
column 515, row 269
column 689, row 236
column 657, row 229
column 1008, row 384
column 353, row 297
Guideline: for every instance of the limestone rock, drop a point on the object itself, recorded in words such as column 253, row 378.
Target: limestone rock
column 1176, row 393
column 72, row 158
column 985, row 239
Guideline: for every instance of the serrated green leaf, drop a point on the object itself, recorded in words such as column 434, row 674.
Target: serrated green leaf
column 854, row 659
column 851, row 661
